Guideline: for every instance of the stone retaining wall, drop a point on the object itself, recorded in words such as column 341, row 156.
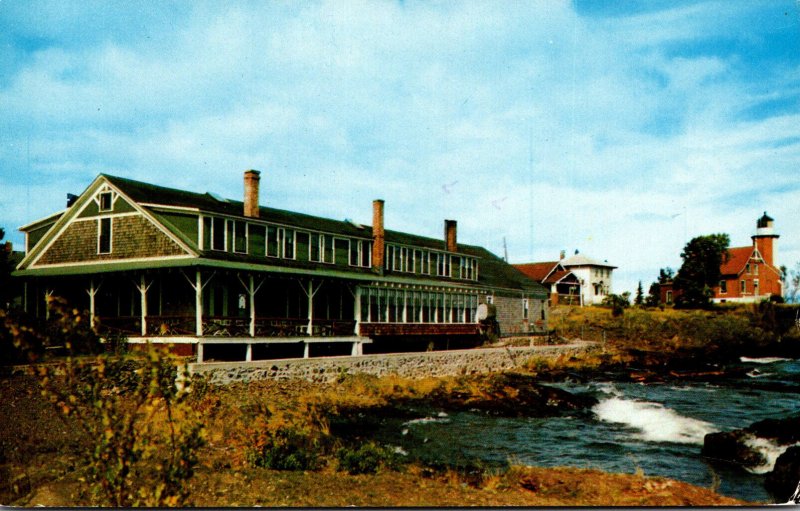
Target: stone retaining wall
column 411, row 365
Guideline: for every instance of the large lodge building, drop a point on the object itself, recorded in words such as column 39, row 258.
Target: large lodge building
column 229, row 280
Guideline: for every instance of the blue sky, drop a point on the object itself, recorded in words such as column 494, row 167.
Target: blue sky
column 621, row 129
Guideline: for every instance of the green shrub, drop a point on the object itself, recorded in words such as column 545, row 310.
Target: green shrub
column 288, row 449
column 367, row 459
column 145, row 435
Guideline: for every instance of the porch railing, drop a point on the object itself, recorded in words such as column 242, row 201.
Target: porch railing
column 171, row 325
column 564, row 299
column 225, row 326
column 118, row 325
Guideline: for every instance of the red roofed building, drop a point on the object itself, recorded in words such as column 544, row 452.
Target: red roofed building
column 749, row 274
column 564, row 286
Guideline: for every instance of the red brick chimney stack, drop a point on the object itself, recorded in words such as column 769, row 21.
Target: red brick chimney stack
column 251, row 180
column 450, row 236
column 378, row 247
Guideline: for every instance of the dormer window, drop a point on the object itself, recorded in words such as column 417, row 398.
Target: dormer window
column 106, row 201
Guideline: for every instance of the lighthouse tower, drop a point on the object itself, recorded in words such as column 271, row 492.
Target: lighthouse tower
column 764, row 239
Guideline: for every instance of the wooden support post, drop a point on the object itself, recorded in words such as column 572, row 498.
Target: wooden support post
column 251, row 291
column 358, row 349
column 48, row 293
column 91, row 292
column 199, row 351
column 357, row 310
column 198, row 303
column 306, row 349
column 248, row 356
column 198, row 286
column 143, row 286
column 310, row 292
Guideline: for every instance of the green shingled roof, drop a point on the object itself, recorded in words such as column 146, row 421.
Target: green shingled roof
column 493, row 271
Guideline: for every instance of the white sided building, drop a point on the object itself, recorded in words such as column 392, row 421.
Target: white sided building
column 595, row 277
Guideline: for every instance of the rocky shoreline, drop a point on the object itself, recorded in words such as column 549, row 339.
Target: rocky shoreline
column 770, row 446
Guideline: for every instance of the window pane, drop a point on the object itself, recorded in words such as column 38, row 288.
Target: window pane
column 288, row 250
column 206, row 233
column 354, row 252
column 366, row 254
column 272, row 241
column 314, row 249
column 328, row 250
column 240, row 237
column 104, row 241
column 218, row 234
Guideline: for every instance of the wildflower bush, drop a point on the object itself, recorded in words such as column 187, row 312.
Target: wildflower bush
column 145, row 436
column 282, row 440
column 367, row 458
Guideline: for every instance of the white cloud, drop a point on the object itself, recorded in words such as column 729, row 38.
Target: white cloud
column 520, row 120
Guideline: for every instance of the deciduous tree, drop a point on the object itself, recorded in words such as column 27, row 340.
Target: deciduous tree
column 700, row 271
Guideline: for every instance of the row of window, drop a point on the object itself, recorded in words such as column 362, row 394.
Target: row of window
column 381, row 305
column 723, row 286
column 241, row 237
column 748, row 269
column 427, row 262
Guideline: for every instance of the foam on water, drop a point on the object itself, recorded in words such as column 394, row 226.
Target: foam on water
column 652, row 421
column 427, row 420
column 764, row 360
column 768, row 449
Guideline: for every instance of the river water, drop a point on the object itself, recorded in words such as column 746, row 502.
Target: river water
column 654, row 428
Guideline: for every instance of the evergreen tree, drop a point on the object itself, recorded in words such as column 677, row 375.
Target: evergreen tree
column 665, row 275
column 700, row 271
column 639, row 300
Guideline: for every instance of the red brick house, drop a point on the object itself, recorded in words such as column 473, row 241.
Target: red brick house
column 749, row 274
column 225, row 279
column 564, row 286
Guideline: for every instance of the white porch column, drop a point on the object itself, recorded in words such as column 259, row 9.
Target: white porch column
column 358, row 349
column 310, row 291
column 143, row 286
column 248, row 356
column 91, row 292
column 357, row 310
column 405, row 306
column 251, row 288
column 306, row 347
column 48, row 293
column 198, row 304
column 310, row 294
column 252, row 291
column 199, row 352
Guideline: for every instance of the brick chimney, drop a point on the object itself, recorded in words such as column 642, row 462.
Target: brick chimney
column 251, row 180
column 450, row 241
column 378, row 246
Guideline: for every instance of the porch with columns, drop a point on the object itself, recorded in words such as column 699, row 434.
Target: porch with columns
column 199, row 307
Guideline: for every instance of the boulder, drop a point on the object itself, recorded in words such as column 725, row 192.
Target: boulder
column 783, row 480
column 738, row 446
column 509, row 395
column 733, row 447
